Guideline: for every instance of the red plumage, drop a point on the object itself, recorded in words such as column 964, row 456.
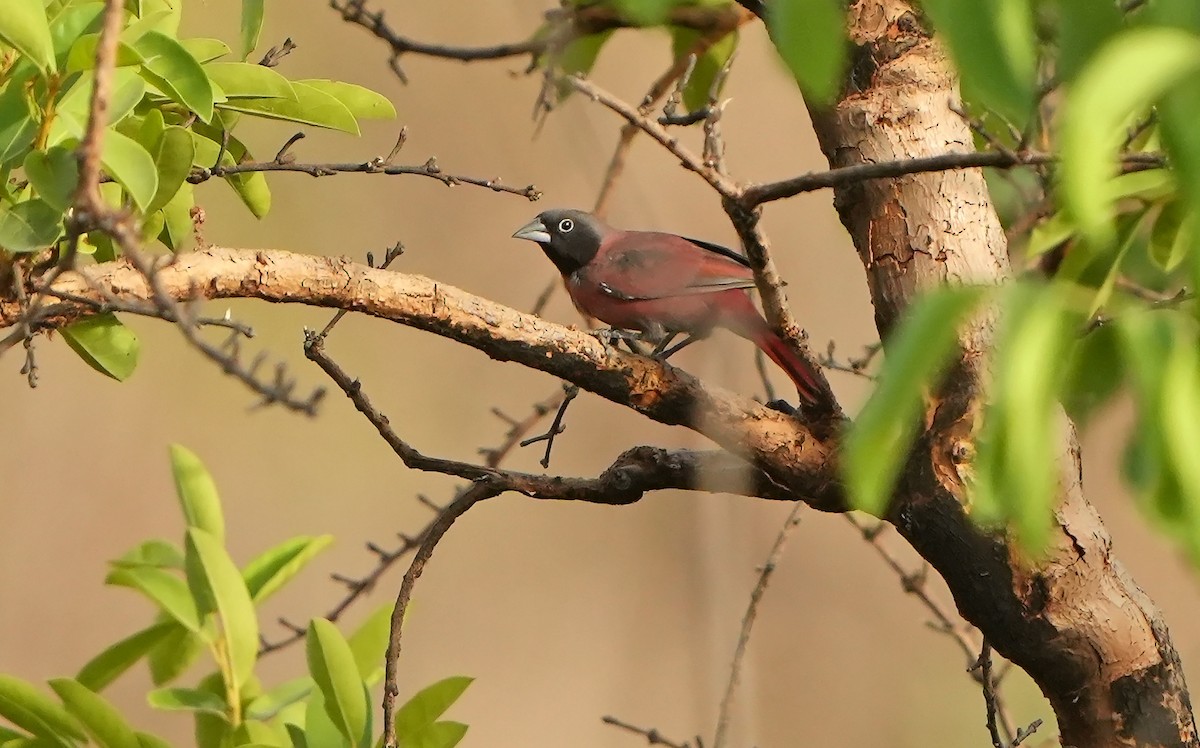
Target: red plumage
column 662, row 283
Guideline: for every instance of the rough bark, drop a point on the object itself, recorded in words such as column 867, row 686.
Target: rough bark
column 1074, row 620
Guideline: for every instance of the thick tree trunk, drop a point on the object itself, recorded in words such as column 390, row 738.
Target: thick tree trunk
column 1095, row 644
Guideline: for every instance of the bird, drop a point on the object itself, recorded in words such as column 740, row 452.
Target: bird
column 663, row 285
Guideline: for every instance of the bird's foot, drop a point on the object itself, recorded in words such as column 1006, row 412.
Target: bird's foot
column 612, row 335
column 783, row 406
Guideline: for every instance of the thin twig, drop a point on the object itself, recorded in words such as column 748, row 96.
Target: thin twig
column 739, row 651
column 652, row 735
column 570, row 392
column 984, row 664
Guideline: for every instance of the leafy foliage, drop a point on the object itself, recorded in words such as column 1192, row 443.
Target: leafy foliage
column 171, row 113
column 202, row 598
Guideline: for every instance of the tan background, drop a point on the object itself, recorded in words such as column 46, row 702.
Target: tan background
column 563, row 612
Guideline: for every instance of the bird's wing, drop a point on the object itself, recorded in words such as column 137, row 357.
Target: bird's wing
column 643, row 265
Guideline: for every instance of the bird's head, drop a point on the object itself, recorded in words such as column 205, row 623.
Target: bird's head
column 570, row 238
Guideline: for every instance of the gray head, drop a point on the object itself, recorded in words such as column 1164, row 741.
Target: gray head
column 570, row 238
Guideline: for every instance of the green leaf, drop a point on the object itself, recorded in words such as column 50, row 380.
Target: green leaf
column 1179, row 404
column 269, row 704
column 578, row 57
column 331, row 664
column 994, row 44
column 708, row 65
column 1094, row 372
column 188, row 700
column 73, row 22
column 251, row 188
column 146, row 740
column 319, row 728
column 172, row 69
column 241, row 80
column 82, row 55
column 28, row 708
column 810, row 36
column 100, row 718
column 431, row 702
column 205, row 50
column 132, row 166
column 175, row 655
column 29, row 225
column 157, row 15
column 23, row 25
column 883, row 431
column 104, row 344
column 1172, row 236
column 164, row 589
column 1016, row 464
column 106, row 667
column 310, row 107
column 218, row 588
column 252, row 22
column 17, row 126
column 1101, row 102
column 1098, row 269
column 72, row 113
column 644, row 12
column 197, row 493
column 54, row 174
column 160, row 554
column 1083, row 25
column 178, row 228
column 362, row 102
column 369, row 643
column 437, row 735
column 275, row 567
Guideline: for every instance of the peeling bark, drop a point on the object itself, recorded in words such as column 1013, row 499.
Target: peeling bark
column 1074, row 620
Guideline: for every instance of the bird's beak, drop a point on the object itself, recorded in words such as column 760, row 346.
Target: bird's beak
column 534, row 231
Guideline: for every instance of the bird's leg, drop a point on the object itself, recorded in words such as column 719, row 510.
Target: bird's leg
column 662, row 344
column 610, row 335
column 668, row 352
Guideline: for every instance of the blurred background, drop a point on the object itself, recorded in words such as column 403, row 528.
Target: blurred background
column 562, row 612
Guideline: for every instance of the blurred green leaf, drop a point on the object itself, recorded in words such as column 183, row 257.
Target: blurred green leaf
column 269, row 704
column 106, row 667
column 1016, row 463
column 883, row 432
column 164, row 589
column 310, row 107
column 170, row 658
column 104, row 344
column 241, row 80
column 17, row 126
column 578, row 57
column 29, row 225
column 252, row 22
column 197, row 493
column 319, row 728
column 644, row 12
column 369, row 643
column 1082, row 27
column 994, row 44
column 1098, row 268
column 23, row 25
column 217, row 587
column 1101, row 103
column 54, row 174
column 145, row 740
column 431, row 702
column 708, row 65
column 362, row 102
column 205, row 50
column 100, row 718
column 1179, row 404
column 173, row 70
column 1094, row 372
column 331, row 664
column 188, row 700
column 1173, row 236
column 82, row 55
column 437, row 735
column 810, row 36
column 267, row 573
column 28, row 708
column 157, row 553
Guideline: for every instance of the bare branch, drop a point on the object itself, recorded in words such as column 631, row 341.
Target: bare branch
column 652, row 736
column 739, row 652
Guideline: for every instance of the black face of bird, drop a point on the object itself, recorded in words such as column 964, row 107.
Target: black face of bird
column 570, row 238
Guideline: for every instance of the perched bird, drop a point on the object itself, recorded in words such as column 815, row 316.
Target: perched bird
column 663, row 285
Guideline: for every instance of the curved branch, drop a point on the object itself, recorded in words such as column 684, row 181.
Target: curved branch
column 780, row 445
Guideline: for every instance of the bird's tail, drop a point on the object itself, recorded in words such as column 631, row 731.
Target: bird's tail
column 810, row 385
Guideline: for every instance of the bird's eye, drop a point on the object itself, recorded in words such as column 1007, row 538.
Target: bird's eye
column 565, row 225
